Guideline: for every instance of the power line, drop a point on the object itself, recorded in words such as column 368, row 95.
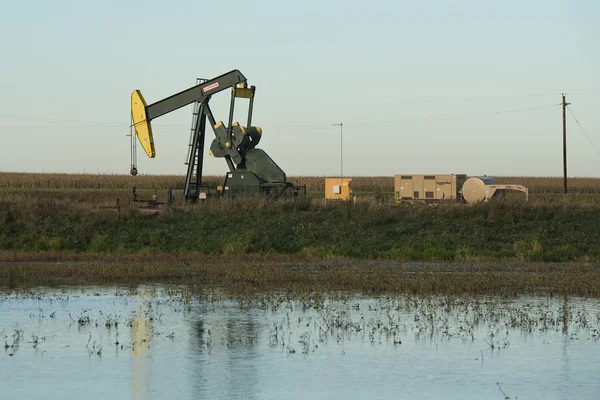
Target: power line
column 527, row 109
column 75, row 122
column 59, row 121
column 356, row 124
column 449, row 99
column 583, row 130
column 422, row 119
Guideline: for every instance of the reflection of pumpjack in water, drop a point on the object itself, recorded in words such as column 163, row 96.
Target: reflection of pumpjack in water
column 236, row 330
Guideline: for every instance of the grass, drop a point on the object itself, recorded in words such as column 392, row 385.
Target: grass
column 369, row 229
column 257, row 273
column 67, row 213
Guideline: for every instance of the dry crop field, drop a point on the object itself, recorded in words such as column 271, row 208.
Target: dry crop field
column 360, row 184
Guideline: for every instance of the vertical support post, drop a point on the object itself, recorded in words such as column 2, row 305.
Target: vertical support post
column 170, row 196
column 564, row 108
column 229, row 127
column 250, row 108
column 200, row 146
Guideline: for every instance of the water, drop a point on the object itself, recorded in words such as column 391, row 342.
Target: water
column 60, row 344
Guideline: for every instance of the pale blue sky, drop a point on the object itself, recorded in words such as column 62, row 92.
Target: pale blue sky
column 425, row 86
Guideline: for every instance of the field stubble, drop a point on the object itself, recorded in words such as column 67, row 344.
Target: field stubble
column 17, row 180
column 96, row 190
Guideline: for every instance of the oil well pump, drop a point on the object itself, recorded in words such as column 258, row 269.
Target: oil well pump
column 251, row 170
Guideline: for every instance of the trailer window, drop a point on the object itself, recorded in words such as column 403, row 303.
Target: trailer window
column 429, row 195
column 416, row 195
column 406, row 177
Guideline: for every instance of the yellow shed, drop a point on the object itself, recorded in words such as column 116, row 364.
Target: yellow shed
column 338, row 188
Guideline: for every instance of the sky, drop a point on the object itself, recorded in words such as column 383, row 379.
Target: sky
column 429, row 86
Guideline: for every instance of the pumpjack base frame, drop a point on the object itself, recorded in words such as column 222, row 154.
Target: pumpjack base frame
column 245, row 183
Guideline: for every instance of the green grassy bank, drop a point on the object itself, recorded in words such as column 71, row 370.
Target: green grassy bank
column 495, row 231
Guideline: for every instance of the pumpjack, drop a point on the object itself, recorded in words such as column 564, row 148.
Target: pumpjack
column 251, row 170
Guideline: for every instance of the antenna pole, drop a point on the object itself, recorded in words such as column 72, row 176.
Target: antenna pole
column 341, row 125
column 564, row 107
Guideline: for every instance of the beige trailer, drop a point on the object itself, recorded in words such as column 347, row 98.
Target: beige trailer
column 338, row 188
column 477, row 190
column 428, row 188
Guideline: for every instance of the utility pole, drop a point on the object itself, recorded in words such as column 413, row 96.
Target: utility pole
column 564, row 107
column 341, row 125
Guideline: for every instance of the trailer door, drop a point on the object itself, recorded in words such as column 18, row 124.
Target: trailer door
column 406, row 187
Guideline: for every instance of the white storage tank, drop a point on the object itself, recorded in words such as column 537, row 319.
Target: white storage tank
column 479, row 189
column 474, row 189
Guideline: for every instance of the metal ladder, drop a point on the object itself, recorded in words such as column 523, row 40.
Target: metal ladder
column 191, row 190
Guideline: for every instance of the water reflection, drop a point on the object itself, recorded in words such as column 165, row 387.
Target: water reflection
column 235, row 330
column 175, row 346
column 140, row 354
column 198, row 346
column 566, row 367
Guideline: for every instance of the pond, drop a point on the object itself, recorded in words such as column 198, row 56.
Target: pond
column 163, row 341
